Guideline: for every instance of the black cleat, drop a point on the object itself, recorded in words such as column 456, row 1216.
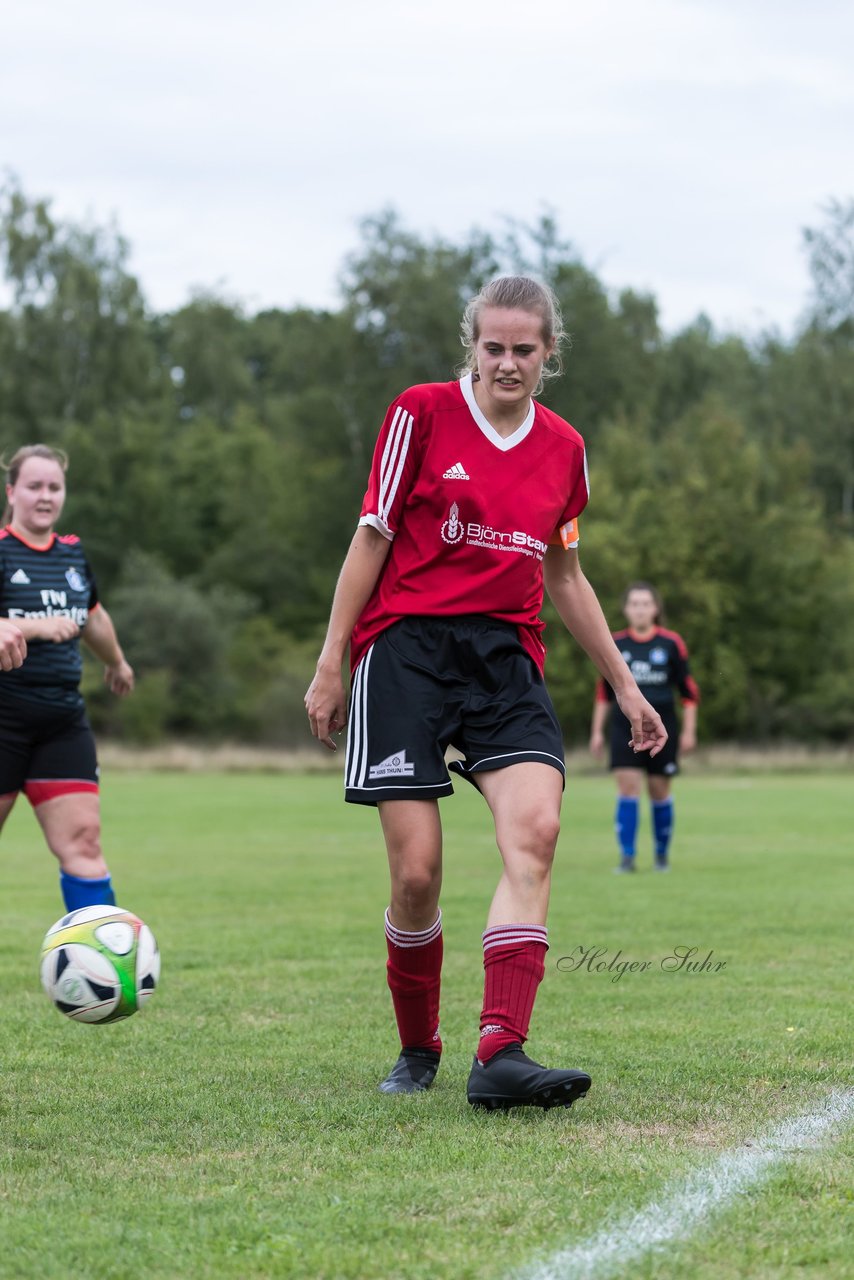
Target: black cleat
column 511, row 1079
column 626, row 864
column 414, row 1071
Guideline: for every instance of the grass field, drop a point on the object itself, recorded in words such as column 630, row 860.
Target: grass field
column 234, row 1128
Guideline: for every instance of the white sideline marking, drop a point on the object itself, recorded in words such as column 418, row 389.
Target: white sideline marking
column 683, row 1206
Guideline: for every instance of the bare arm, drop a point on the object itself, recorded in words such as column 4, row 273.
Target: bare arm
column 580, row 611
column 55, row 628
column 99, row 635
column 597, row 726
column 688, row 736
column 326, row 699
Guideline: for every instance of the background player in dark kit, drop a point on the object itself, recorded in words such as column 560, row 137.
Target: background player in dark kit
column 658, row 660
column 48, row 591
column 439, row 601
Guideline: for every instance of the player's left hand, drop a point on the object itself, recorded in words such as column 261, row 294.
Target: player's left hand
column 648, row 731
column 119, row 678
column 687, row 742
column 13, row 646
column 326, row 704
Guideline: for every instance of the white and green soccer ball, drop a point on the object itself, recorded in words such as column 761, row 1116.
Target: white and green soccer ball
column 99, row 964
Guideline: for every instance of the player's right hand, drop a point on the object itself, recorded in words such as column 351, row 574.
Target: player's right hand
column 326, row 704
column 58, row 628
column 13, row 646
column 597, row 744
column 648, row 731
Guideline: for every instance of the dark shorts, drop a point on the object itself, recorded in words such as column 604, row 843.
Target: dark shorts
column 666, row 763
column 45, row 754
column 427, row 684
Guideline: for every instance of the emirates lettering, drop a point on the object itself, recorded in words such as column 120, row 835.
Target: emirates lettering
column 76, row 612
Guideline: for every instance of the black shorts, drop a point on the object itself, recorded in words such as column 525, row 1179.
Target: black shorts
column 45, row 753
column 430, row 683
column 665, row 764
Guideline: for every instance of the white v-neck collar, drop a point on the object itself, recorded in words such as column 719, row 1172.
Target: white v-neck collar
column 501, row 442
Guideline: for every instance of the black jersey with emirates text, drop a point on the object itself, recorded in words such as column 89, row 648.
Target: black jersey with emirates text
column 659, row 664
column 40, row 582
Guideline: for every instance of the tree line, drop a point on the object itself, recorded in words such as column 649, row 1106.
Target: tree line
column 218, row 461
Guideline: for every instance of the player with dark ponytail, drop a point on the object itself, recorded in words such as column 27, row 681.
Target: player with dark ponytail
column 658, row 660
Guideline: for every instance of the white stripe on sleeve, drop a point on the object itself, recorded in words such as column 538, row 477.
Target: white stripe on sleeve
column 393, row 460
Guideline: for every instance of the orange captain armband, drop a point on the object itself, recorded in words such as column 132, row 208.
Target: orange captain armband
column 566, row 536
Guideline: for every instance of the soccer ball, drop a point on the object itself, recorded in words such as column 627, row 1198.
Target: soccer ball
column 99, row 964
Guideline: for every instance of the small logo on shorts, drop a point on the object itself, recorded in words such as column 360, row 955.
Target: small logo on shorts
column 452, row 529
column 394, row 766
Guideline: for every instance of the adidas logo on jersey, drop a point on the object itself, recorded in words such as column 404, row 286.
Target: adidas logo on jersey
column 456, row 472
column 19, row 578
column 394, row 766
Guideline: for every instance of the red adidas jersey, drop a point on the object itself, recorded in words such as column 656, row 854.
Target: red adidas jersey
column 469, row 513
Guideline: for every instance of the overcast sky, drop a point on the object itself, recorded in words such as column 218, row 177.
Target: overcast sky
column 682, row 144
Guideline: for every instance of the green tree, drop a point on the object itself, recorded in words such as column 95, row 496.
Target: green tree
column 218, row 461
column 736, row 542
column 181, row 636
column 831, row 258
column 75, row 341
column 828, row 350
column 205, row 347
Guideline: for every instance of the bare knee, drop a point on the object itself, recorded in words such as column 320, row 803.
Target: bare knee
column 413, row 836
column 415, row 887
column 542, row 830
column 415, row 892
column 86, row 840
column 529, row 852
column 629, row 782
column 79, row 849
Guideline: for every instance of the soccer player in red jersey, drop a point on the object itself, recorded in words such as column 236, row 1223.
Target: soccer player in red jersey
column 658, row 660
column 472, row 504
column 48, row 595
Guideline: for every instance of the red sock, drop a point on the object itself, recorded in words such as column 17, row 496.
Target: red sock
column 414, row 972
column 514, row 964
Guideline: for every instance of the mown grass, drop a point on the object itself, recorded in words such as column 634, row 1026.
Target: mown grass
column 234, row 1128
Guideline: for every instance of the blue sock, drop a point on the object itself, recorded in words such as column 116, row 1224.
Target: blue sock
column 626, row 824
column 83, row 892
column 662, row 825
